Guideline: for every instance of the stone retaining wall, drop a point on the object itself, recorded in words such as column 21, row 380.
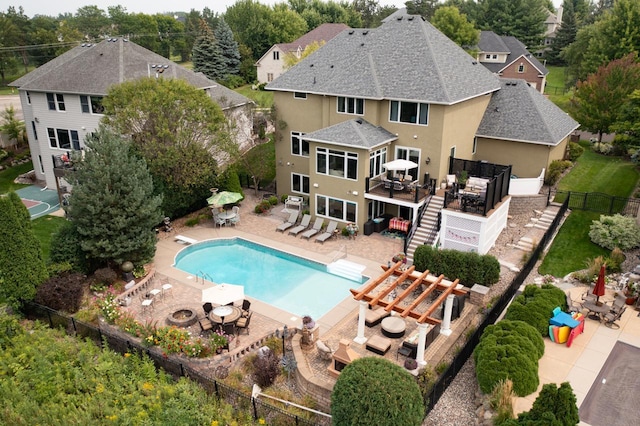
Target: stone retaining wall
column 318, row 388
column 522, row 204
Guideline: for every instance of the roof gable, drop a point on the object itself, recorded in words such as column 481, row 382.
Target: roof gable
column 518, row 112
column 490, row 42
column 405, row 59
column 357, row 133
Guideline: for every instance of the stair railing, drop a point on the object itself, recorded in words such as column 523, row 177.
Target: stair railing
column 339, row 254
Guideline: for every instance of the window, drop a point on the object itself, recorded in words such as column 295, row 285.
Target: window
column 411, row 155
column 300, row 183
column 269, row 76
column 350, row 105
column 336, row 208
column 28, row 98
column 41, row 165
column 494, row 56
column 475, row 145
column 375, row 209
column 409, row 112
column 55, row 102
column 487, row 56
column 91, row 104
column 35, row 132
column 521, row 68
column 299, row 95
column 298, row 145
column 63, row 138
column 337, row 163
column 376, row 160
column 276, row 55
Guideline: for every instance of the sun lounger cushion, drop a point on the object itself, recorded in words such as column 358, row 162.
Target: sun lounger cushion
column 378, row 344
column 374, row 316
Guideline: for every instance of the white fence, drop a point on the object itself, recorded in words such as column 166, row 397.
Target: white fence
column 526, row 186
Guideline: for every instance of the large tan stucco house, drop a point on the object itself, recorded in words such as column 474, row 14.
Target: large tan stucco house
column 62, row 99
column 401, row 91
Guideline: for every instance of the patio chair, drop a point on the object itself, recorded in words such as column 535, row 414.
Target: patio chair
column 289, row 223
column 246, row 304
column 207, row 307
column 235, row 220
column 217, row 220
column 328, row 233
column 324, row 350
column 243, row 323
column 613, row 316
column 451, row 179
column 304, row 224
column 205, row 324
column 317, row 226
column 229, row 329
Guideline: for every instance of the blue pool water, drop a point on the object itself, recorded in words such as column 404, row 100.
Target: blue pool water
column 288, row 282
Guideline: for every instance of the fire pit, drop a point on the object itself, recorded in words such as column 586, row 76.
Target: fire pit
column 182, row 317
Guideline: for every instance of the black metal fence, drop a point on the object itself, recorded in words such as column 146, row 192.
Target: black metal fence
column 599, row 202
column 492, row 316
column 272, row 414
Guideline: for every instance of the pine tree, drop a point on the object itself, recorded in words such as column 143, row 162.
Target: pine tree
column 228, row 47
column 22, row 267
column 112, row 205
column 207, row 56
column 565, row 35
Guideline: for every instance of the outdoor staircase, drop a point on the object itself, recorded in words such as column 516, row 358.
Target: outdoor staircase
column 528, row 243
column 428, row 225
column 344, row 268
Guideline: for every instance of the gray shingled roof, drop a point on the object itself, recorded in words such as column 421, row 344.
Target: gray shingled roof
column 90, row 69
column 357, row 133
column 518, row 112
column 404, row 59
column 490, row 42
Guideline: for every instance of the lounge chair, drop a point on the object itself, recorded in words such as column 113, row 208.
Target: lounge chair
column 289, row 223
column 317, row 226
column 304, row 224
column 328, row 233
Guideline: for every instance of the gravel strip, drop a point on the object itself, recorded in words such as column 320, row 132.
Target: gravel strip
column 456, row 406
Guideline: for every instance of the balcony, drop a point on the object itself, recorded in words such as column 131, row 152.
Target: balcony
column 62, row 164
column 400, row 190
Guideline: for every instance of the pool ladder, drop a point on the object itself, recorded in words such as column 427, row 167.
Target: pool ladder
column 203, row 275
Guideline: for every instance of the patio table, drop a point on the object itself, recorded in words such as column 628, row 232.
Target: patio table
column 596, row 311
column 226, row 215
column 225, row 314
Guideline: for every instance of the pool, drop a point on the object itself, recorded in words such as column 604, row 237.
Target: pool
column 286, row 281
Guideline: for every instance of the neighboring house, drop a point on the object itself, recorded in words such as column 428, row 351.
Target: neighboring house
column 551, row 25
column 507, row 57
column 62, row 99
column 399, row 91
column 271, row 65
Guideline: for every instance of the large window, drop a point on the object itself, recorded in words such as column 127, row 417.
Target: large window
column 56, row 101
column 376, row 160
column 411, row 155
column 300, row 183
column 63, row 138
column 337, row 163
column 91, row 104
column 409, row 112
column 350, row 105
column 336, row 208
column 299, row 146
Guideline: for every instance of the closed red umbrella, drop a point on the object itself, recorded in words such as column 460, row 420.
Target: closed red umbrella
column 598, row 289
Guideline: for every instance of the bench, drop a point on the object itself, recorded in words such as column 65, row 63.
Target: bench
column 373, row 316
column 185, row 240
column 293, row 202
column 378, row 344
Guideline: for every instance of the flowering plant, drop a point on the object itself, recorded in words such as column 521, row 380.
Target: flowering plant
column 308, row 322
column 400, row 257
column 352, row 228
column 219, row 340
column 109, row 308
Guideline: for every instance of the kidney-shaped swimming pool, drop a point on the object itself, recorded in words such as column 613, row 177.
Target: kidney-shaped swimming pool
column 286, row 281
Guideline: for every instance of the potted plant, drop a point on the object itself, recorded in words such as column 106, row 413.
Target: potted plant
column 631, row 292
column 219, row 341
column 400, row 257
column 462, row 179
column 410, row 364
column 308, row 322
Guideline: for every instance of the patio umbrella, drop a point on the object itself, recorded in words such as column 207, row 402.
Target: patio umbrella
column 598, row 289
column 222, row 294
column 225, row 197
column 400, row 164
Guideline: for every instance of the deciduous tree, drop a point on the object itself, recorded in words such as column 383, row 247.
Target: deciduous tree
column 454, row 25
column 113, row 207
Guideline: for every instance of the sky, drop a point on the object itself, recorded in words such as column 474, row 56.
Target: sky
column 150, row 7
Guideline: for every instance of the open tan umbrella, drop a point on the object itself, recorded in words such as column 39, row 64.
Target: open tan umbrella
column 222, row 294
column 223, row 198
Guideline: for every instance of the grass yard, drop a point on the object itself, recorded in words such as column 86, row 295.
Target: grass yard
column 555, row 89
column 262, row 98
column 7, row 177
column 43, row 228
column 572, row 248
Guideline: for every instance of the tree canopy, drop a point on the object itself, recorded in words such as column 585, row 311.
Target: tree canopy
column 455, row 25
column 207, row 55
column 112, row 206
column 523, row 19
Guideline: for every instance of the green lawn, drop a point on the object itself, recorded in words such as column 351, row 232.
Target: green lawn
column 555, row 87
column 572, row 248
column 7, row 177
column 262, row 98
column 43, row 228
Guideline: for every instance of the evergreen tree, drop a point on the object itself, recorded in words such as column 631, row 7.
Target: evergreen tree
column 565, row 35
column 228, row 48
column 522, row 19
column 22, row 267
column 207, row 57
column 112, row 206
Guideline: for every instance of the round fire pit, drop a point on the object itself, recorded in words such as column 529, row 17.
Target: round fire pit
column 182, row 317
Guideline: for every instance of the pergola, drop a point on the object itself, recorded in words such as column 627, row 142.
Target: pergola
column 368, row 296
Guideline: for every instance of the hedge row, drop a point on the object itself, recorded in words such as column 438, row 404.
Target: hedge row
column 470, row 268
column 509, row 350
column 535, row 306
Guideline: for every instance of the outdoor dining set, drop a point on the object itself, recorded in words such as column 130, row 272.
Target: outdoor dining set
column 227, row 319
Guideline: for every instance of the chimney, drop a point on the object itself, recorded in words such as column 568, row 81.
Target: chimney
column 342, row 357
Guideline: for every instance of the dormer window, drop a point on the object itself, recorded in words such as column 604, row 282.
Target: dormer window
column 276, row 55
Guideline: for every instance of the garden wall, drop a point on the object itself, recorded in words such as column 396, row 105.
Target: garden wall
column 522, row 204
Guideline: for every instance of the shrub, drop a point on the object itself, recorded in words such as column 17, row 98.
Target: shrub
column 262, row 207
column 615, row 231
column 502, row 401
column 426, row 380
column 105, row 276
column 266, row 369
column 284, row 197
column 63, row 292
column 535, row 306
column 470, row 268
column 553, row 406
column 392, row 395
column 273, row 200
column 556, row 168
column 506, row 352
column 615, row 260
column 575, row 151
